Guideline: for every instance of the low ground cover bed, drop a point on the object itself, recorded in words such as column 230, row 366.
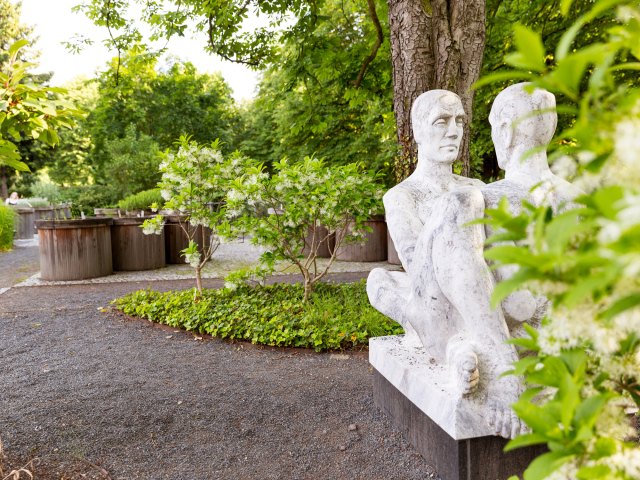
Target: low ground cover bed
column 338, row 316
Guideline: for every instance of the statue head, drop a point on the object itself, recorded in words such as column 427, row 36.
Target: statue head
column 522, row 120
column 438, row 118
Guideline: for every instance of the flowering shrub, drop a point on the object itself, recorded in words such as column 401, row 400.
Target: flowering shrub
column 584, row 372
column 193, row 179
column 283, row 212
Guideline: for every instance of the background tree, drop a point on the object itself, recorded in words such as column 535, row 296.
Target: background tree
column 434, row 44
column 27, row 111
column 141, row 108
column 317, row 100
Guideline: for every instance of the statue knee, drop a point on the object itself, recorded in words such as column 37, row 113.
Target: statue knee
column 467, row 203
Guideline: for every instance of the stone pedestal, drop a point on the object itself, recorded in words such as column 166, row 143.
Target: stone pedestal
column 449, row 432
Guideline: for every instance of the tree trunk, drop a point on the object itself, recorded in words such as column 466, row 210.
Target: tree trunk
column 434, row 44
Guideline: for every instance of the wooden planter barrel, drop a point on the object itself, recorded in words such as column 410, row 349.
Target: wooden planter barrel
column 132, row 250
column 326, row 247
column 42, row 213
column 24, row 222
column 62, row 212
column 392, row 253
column 177, row 240
column 373, row 248
column 75, row 249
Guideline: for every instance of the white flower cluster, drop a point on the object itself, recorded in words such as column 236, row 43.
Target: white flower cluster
column 192, row 259
column 571, row 328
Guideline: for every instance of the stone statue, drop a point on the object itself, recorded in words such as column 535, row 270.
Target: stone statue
column 443, row 297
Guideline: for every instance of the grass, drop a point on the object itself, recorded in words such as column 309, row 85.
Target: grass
column 337, row 317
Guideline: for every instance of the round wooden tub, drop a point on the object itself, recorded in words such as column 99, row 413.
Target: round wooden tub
column 177, row 240
column 373, row 248
column 132, row 250
column 24, row 222
column 75, row 249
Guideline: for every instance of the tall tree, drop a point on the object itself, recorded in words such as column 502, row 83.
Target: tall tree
column 11, row 29
column 435, row 44
column 319, row 98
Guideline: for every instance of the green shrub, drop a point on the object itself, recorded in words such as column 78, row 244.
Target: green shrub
column 142, row 200
column 46, row 190
column 7, row 216
column 336, row 317
column 35, row 202
column 84, row 198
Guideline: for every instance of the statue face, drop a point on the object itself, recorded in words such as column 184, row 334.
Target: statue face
column 499, row 134
column 444, row 129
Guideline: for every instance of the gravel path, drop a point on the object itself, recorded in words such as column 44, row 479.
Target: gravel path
column 93, row 394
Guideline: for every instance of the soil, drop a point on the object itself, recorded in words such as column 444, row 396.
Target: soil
column 89, row 393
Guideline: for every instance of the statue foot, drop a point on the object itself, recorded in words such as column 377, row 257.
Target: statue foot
column 504, row 422
column 463, row 363
column 502, row 419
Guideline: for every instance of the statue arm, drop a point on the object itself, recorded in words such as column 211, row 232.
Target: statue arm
column 403, row 223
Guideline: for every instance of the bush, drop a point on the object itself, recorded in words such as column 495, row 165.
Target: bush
column 337, row 316
column 142, row 200
column 85, row 198
column 303, row 197
column 35, row 202
column 46, row 190
column 7, row 216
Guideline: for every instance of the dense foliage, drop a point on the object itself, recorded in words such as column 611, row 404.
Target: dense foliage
column 318, row 99
column 27, row 110
column 584, row 368
column 338, row 317
column 7, row 217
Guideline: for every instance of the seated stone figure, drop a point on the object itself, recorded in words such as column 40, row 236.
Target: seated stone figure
column 443, row 299
column 523, row 123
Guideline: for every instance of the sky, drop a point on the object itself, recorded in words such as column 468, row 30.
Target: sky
column 54, row 23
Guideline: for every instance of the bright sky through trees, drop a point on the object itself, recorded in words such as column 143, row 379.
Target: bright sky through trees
column 54, row 23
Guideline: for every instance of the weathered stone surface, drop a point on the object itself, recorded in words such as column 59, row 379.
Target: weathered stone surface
column 442, row 299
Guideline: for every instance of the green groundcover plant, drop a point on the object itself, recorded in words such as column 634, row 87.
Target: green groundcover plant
column 583, row 368
column 337, row 317
column 7, row 216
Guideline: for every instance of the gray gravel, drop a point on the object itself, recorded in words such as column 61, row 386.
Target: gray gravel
column 93, row 394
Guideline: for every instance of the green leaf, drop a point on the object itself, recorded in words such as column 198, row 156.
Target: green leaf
column 525, row 440
column 546, row 464
column 587, row 412
column 598, row 471
column 530, row 54
column 16, row 46
column 621, row 305
column 538, row 418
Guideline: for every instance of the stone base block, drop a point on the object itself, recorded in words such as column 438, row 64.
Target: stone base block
column 450, row 432
column 470, row 459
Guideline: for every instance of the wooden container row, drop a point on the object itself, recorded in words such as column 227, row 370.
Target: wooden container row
column 95, row 247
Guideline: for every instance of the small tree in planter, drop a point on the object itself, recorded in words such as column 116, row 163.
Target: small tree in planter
column 192, row 179
column 280, row 210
